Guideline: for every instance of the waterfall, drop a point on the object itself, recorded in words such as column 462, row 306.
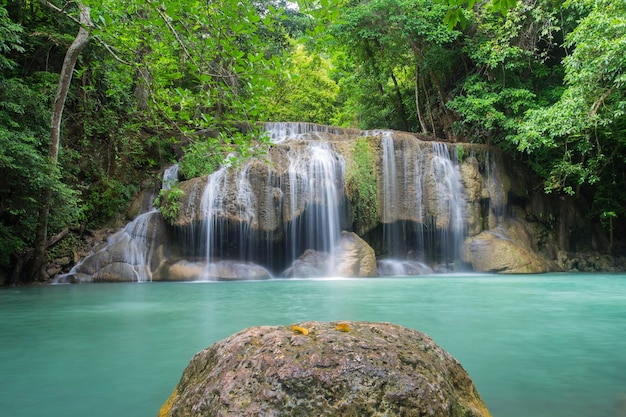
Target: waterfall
column 450, row 201
column 389, row 194
column 170, row 177
column 233, row 211
column 423, row 201
column 323, row 178
column 280, row 131
column 211, row 206
column 127, row 254
column 288, row 213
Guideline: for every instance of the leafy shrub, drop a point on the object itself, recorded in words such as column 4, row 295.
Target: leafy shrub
column 201, row 158
column 168, row 203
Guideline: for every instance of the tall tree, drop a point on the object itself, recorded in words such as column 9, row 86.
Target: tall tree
column 67, row 70
column 406, row 53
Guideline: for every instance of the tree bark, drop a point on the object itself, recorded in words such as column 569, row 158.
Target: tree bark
column 417, row 101
column 71, row 56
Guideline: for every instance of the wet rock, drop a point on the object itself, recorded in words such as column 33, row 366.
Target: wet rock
column 218, row 271
column 179, row 271
column 507, row 250
column 237, row 271
column 325, row 369
column 589, row 262
column 355, row 257
column 474, row 191
column 311, row 263
column 393, row 267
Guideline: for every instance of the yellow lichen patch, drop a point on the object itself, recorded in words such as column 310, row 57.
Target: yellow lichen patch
column 343, row 327
column 167, row 407
column 299, row 329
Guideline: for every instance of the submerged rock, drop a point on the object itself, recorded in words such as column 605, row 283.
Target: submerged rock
column 325, row 369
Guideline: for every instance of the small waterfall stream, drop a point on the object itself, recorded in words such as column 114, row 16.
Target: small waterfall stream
column 128, row 252
column 423, row 202
column 444, row 168
column 311, row 192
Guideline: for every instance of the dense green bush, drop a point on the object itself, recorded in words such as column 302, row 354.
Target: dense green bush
column 168, row 203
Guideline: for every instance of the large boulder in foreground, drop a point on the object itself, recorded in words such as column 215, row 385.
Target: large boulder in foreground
column 325, row 369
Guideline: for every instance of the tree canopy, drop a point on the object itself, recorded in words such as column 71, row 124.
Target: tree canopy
column 168, row 80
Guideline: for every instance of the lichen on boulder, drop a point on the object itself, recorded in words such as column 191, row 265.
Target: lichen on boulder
column 320, row 369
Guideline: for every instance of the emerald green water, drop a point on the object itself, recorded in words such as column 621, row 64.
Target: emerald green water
column 542, row 345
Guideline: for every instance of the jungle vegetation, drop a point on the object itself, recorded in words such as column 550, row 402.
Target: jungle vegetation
column 153, row 82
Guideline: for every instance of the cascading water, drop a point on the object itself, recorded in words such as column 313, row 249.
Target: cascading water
column 280, row 131
column 311, row 191
column 389, row 195
column 320, row 175
column 422, row 202
column 129, row 251
column 289, row 213
column 450, row 200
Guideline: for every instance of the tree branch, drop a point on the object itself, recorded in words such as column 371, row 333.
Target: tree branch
column 167, row 21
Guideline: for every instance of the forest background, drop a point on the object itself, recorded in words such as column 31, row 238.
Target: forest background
column 155, row 81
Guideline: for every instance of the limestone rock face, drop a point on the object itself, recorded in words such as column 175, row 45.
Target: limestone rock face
column 325, row 369
column 505, row 249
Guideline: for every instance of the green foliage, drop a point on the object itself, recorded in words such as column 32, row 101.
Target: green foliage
column 65, row 246
column 168, row 203
column 456, row 16
column 395, row 56
column 24, row 167
column 201, row 158
column 200, row 64
column 509, row 66
column 460, row 153
column 579, row 140
column 304, row 91
column 361, row 185
column 104, row 200
column 10, row 40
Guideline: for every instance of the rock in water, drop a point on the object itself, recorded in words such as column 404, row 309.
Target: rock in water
column 325, row 369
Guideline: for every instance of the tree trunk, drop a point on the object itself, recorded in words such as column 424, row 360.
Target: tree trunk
column 401, row 110
column 71, row 56
column 417, row 101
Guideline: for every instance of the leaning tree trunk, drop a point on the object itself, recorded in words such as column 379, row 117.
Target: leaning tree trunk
column 71, row 56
